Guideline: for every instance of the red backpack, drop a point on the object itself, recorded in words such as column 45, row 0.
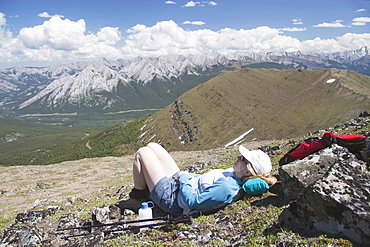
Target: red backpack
column 359, row 145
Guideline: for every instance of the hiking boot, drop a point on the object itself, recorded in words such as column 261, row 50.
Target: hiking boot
column 139, row 194
column 132, row 204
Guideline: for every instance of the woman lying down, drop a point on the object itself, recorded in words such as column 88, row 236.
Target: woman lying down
column 158, row 178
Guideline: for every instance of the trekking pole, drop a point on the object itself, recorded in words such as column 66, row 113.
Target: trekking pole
column 184, row 218
column 123, row 222
column 118, row 229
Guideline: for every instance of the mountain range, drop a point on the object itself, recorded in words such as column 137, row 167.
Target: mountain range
column 107, row 86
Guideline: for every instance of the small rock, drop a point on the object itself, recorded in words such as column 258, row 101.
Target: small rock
column 42, row 186
column 40, row 202
column 101, row 215
column 34, row 217
column 67, row 220
column 31, row 238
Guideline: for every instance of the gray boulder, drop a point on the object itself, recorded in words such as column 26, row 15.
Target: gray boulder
column 35, row 216
column 299, row 174
column 13, row 234
column 330, row 193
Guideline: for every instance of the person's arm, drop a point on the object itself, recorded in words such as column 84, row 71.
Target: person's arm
column 220, row 192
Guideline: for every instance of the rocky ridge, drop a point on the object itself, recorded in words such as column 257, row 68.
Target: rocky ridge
column 342, row 183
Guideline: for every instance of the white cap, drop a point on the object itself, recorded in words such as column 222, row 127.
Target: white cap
column 260, row 161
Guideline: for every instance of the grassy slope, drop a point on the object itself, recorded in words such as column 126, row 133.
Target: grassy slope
column 277, row 104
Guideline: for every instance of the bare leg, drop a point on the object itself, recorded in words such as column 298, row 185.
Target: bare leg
column 151, row 164
column 168, row 163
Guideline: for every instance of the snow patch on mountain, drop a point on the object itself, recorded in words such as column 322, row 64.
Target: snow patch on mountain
column 330, row 81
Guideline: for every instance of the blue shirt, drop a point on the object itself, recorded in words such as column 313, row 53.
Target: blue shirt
column 208, row 191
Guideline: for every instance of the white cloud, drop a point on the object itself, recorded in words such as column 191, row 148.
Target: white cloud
column 322, row 45
column 56, row 33
column 170, row 2
column 297, row 21
column 348, row 41
column 6, row 42
column 168, row 38
column 360, row 10
column 58, row 40
column 109, row 35
column 191, row 4
column 360, row 21
column 46, row 15
column 354, row 40
column 335, row 24
column 2, row 19
column 293, row 29
column 203, row 3
column 199, row 23
column 66, row 35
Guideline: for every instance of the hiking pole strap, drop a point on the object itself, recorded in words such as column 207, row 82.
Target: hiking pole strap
column 181, row 219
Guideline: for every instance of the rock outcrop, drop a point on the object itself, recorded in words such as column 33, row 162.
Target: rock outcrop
column 330, row 193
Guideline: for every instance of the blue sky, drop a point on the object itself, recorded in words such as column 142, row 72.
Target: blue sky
column 48, row 32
